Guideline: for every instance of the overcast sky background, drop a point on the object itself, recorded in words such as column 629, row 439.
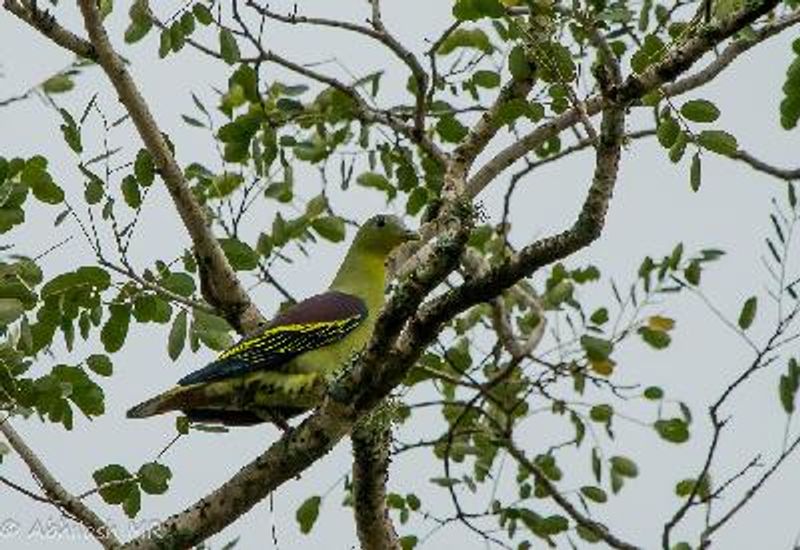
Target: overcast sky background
column 652, row 210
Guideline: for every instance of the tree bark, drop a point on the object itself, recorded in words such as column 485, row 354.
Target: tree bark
column 370, row 473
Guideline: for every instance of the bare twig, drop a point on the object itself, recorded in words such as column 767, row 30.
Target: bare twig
column 157, row 288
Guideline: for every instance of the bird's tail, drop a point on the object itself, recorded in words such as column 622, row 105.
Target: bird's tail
column 170, row 400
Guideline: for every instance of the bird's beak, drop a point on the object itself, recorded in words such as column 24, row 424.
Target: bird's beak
column 409, row 235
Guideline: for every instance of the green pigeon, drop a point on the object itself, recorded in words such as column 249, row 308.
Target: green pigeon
column 282, row 371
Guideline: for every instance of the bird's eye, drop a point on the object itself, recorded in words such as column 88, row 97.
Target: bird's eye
column 380, row 221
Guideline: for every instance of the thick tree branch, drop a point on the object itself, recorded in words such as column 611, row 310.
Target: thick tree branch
column 221, row 288
column 488, row 125
column 675, row 62
column 371, row 450
column 585, row 230
column 56, row 492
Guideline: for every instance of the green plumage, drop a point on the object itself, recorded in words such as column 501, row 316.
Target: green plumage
column 283, row 370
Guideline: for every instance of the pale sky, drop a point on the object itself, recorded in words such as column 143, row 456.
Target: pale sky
column 652, row 210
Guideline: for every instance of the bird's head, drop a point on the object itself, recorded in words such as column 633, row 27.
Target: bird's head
column 382, row 233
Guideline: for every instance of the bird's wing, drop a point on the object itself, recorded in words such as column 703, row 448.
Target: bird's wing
column 313, row 323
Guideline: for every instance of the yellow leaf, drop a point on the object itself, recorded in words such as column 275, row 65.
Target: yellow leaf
column 663, row 324
column 603, row 367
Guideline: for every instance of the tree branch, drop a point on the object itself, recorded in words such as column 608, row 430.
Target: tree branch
column 46, row 24
column 371, row 450
column 221, row 288
column 155, row 287
column 585, row 230
column 787, row 174
column 488, row 125
column 674, row 63
column 56, row 492
column 729, row 54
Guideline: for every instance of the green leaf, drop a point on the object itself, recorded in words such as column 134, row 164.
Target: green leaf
column 154, row 478
column 213, row 331
column 718, row 141
column 601, row 413
column 132, row 503
column 115, row 330
column 179, row 283
column 624, row 466
column 116, row 482
column 307, row 514
column 58, row 84
column 651, row 51
column 597, row 349
column 667, row 132
column 187, row 23
column 35, row 175
column 182, row 424
column 71, row 132
column 143, row 168
column 330, row 228
column 177, row 335
column 653, row 393
column 93, row 191
column 228, row 47
column 692, row 273
column 657, row 339
column 486, row 79
column 748, row 313
column 177, row 38
column 417, row 200
column 674, row 430
column 518, row 64
column 130, row 192
column 140, row 22
column 165, row 44
column 100, row 363
column 600, row 316
column 700, row 110
column 11, row 309
column 466, row 38
column 787, row 391
column 377, row 181
column 685, row 487
column 224, row 184
column 694, row 173
column 239, row 254
column 450, row 129
column 595, row 494
column 203, row 14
